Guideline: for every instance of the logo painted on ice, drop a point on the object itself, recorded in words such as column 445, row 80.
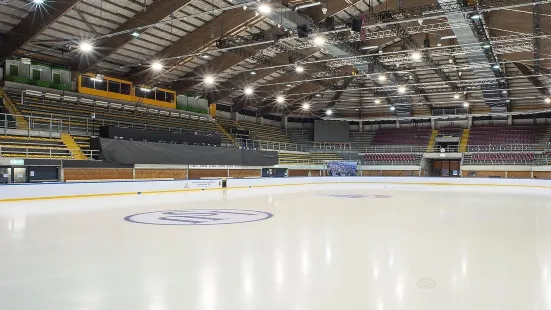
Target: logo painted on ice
column 352, row 196
column 198, row 217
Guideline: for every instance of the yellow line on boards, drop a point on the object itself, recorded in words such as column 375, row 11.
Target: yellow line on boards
column 261, row 186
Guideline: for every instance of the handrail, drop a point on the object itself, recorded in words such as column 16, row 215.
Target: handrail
column 504, row 148
column 131, row 106
column 26, row 152
column 89, row 123
column 48, row 124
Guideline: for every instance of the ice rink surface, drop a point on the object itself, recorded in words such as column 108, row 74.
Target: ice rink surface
column 326, row 247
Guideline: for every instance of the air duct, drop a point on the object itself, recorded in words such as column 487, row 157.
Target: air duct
column 466, row 37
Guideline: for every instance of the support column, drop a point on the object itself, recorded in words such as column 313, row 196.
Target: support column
column 234, row 116
column 469, row 122
column 397, row 124
column 509, row 120
column 261, row 120
column 284, row 121
column 361, row 129
column 432, row 124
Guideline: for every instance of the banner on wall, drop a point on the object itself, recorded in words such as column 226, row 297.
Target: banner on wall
column 342, row 168
column 203, row 184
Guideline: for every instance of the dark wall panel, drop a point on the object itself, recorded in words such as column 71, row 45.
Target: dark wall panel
column 331, row 131
column 112, row 132
column 137, row 152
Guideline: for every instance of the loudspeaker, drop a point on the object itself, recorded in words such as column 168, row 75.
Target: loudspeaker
column 356, row 24
column 330, row 23
column 302, row 31
column 385, row 16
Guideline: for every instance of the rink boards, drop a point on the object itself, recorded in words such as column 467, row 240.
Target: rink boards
column 18, row 192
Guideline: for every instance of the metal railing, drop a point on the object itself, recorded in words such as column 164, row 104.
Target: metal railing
column 447, row 149
column 450, row 111
column 29, row 152
column 271, row 146
column 26, row 124
column 88, row 125
column 394, row 149
column 505, row 148
column 538, row 160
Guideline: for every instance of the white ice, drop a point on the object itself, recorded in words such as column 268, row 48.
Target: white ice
column 445, row 248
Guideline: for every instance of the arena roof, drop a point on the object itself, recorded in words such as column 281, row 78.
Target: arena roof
column 411, row 57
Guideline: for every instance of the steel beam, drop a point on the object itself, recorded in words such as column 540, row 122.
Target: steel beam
column 530, row 76
column 197, row 40
column 340, row 91
column 32, row 25
column 536, row 20
column 155, row 13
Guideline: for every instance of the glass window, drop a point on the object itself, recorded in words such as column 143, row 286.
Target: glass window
column 125, row 89
column 14, row 70
column 36, row 74
column 100, row 85
column 114, row 87
column 160, row 95
column 169, row 97
column 150, row 95
column 144, row 94
column 57, row 78
column 87, row 82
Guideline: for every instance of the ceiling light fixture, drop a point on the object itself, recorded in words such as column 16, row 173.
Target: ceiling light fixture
column 416, row 56
column 547, row 100
column 448, row 37
column 369, row 47
column 264, row 8
column 306, row 106
column 319, row 41
column 329, row 112
column 465, row 104
column 157, row 66
column 38, row 1
column 248, row 91
column 209, row 80
column 135, row 34
column 85, row 47
column 377, row 101
column 299, row 69
column 382, row 77
column 401, row 89
column 253, row 72
column 475, row 16
column 392, row 108
column 456, row 96
column 280, row 99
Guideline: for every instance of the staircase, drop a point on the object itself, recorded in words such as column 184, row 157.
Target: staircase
column 12, row 109
column 545, row 137
column 73, row 146
column 432, row 140
column 464, row 140
column 223, row 130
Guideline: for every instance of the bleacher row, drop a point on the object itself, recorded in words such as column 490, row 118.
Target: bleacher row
column 500, row 135
column 77, row 115
column 37, row 147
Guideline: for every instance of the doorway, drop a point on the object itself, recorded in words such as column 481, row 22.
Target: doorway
column 19, row 175
column 446, row 168
column 5, row 174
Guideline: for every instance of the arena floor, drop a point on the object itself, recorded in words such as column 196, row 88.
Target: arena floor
column 323, row 247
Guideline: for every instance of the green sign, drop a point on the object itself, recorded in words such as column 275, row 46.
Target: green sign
column 17, row 162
